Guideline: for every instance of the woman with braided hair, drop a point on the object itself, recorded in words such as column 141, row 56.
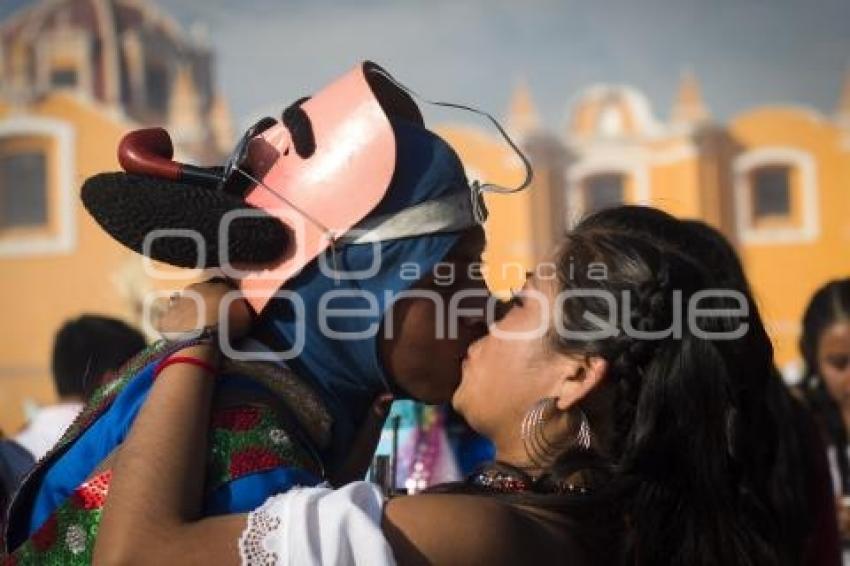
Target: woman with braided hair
column 617, row 390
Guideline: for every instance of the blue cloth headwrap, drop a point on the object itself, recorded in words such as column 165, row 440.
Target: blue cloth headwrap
column 349, row 373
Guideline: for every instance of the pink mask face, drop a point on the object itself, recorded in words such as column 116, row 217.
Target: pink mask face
column 324, row 194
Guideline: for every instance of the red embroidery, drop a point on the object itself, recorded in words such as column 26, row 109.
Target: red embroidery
column 241, row 418
column 253, row 460
column 92, row 494
column 10, row 561
column 45, row 536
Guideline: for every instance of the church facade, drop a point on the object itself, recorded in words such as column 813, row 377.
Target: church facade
column 75, row 76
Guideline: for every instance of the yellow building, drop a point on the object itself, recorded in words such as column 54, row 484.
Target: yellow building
column 75, row 76
column 775, row 180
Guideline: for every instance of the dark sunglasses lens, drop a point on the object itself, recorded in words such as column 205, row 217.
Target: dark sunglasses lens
column 261, row 126
column 234, row 182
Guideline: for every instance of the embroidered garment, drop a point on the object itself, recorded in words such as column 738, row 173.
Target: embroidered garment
column 254, row 452
column 318, row 526
column 67, row 537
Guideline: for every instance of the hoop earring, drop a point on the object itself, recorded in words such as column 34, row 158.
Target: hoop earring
column 584, row 436
column 534, row 441
column 541, row 450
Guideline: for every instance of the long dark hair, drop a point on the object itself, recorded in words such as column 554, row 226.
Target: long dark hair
column 738, row 437
column 830, row 304
column 699, row 470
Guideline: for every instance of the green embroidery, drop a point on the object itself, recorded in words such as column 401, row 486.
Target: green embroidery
column 248, row 440
column 66, row 539
column 243, row 440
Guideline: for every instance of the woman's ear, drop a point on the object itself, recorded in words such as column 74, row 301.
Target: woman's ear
column 577, row 385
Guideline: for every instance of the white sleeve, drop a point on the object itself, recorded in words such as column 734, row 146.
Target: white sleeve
column 318, row 526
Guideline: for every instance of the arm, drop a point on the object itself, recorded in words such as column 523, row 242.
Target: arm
column 155, row 494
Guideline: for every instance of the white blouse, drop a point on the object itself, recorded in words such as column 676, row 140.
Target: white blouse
column 316, row 526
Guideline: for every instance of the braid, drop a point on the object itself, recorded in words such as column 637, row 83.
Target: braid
column 649, row 307
column 650, row 310
column 698, row 470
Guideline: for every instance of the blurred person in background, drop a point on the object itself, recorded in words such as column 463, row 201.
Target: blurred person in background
column 825, row 347
column 433, row 445
column 85, row 350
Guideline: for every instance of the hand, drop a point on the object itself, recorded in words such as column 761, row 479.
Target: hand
column 182, row 316
column 363, row 449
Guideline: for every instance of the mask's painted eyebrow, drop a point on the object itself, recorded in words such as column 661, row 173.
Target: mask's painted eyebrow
column 300, row 128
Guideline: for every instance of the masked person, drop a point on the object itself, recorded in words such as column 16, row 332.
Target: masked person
column 348, row 182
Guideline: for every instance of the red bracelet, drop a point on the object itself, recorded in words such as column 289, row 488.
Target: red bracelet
column 183, row 360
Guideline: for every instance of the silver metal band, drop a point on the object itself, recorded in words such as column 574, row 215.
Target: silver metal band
column 452, row 213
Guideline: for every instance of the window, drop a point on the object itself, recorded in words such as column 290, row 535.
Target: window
column 606, row 177
column 37, row 193
column 23, row 189
column 603, row 191
column 771, row 186
column 158, row 88
column 776, row 200
column 64, row 59
column 63, row 78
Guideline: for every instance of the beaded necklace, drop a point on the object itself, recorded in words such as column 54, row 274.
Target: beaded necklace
column 502, row 479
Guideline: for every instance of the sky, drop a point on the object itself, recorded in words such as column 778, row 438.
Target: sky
column 744, row 52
